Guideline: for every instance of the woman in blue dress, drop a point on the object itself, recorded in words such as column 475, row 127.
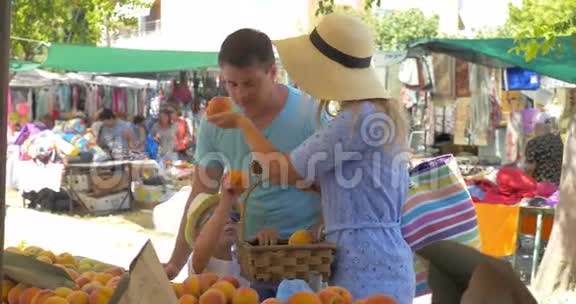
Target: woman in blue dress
column 359, row 159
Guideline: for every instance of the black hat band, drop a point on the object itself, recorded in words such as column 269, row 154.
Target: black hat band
column 336, row 55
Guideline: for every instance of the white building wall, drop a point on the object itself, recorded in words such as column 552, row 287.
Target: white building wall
column 202, row 25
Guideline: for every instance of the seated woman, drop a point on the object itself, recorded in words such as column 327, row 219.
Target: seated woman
column 212, row 230
column 544, row 153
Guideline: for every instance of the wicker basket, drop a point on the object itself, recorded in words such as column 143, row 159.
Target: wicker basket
column 279, row 262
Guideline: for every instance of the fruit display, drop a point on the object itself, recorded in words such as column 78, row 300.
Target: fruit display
column 219, row 104
column 208, row 288
column 95, row 283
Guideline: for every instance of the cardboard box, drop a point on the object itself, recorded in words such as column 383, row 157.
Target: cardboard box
column 106, row 204
column 146, row 282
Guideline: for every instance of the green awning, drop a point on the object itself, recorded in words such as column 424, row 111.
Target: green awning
column 106, row 60
column 22, row 66
column 496, row 53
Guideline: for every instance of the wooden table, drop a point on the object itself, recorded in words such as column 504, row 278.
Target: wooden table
column 540, row 213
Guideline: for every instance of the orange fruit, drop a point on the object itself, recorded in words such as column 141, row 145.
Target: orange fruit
column 219, row 104
column 379, row 299
column 301, row 237
column 238, row 181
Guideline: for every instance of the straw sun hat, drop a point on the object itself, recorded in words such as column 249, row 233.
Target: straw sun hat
column 201, row 208
column 334, row 61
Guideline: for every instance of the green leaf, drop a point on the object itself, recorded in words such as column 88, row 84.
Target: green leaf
column 29, row 270
column 59, row 21
column 541, row 18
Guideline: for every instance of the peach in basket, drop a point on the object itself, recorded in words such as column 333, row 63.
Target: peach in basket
column 219, row 104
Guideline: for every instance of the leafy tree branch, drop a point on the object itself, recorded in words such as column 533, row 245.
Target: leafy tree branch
column 65, row 21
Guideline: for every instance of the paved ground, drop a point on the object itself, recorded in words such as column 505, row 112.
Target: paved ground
column 111, row 239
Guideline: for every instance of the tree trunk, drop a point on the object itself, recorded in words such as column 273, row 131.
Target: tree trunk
column 557, row 272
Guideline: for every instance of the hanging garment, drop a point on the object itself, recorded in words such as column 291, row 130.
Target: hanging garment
column 415, row 73
column 461, row 121
column 496, row 110
column 462, row 79
column 529, row 117
column 408, row 97
column 108, row 97
column 65, row 94
column 445, row 118
column 132, row 101
column 514, row 137
column 42, row 102
column 114, row 102
column 52, row 103
column 444, row 77
column 124, row 101
column 480, row 110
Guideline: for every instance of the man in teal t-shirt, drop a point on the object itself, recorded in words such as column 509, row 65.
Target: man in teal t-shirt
column 286, row 116
column 284, row 209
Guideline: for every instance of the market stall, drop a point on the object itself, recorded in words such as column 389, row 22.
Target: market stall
column 100, row 77
column 510, row 96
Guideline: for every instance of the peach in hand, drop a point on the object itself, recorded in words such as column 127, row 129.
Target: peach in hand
column 237, row 181
column 219, row 104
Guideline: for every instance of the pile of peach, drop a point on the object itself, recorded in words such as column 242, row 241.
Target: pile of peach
column 95, row 282
column 208, row 288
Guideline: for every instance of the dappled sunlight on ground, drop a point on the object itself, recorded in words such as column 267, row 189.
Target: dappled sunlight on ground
column 113, row 239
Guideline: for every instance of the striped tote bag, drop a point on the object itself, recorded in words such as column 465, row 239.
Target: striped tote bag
column 438, row 207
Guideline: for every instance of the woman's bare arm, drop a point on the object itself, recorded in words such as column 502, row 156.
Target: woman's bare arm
column 275, row 164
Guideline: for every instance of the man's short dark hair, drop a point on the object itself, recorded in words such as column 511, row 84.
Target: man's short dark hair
column 106, row 114
column 246, row 47
column 138, row 119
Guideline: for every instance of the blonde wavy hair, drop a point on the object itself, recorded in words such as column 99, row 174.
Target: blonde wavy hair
column 391, row 107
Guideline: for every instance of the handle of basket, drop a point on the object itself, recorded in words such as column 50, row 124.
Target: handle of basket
column 257, row 170
column 242, row 233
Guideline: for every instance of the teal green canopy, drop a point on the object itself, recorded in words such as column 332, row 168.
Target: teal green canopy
column 107, row 60
column 496, row 53
column 22, row 66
